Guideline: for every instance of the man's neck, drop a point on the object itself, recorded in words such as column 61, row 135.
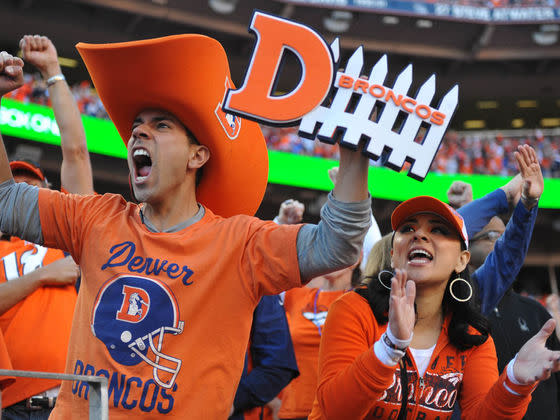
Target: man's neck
column 176, row 228
column 170, row 212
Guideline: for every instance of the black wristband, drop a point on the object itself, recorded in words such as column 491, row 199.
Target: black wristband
column 390, row 344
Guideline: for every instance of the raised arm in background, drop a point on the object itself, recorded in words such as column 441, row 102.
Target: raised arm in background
column 11, row 78
column 502, row 265
column 75, row 172
column 60, row 273
column 478, row 213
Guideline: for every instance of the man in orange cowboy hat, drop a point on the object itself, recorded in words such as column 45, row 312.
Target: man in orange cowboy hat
column 169, row 286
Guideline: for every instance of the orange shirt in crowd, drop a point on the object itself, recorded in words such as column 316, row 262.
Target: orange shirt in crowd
column 36, row 329
column 166, row 317
column 355, row 384
column 5, row 363
column 306, row 309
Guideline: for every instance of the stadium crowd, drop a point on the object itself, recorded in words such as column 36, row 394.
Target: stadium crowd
column 355, row 336
column 464, row 153
column 34, row 90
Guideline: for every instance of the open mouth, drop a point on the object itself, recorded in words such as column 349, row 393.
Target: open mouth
column 419, row 256
column 142, row 163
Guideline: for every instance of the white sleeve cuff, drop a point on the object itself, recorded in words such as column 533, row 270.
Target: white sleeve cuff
column 511, row 391
column 511, row 375
column 403, row 344
column 386, row 354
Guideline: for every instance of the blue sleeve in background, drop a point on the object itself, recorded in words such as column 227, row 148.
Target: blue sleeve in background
column 501, row 267
column 478, row 213
column 272, row 354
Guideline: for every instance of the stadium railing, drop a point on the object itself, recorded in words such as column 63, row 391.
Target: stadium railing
column 98, row 393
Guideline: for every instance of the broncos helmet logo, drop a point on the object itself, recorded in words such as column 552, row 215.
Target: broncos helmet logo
column 135, row 305
column 131, row 316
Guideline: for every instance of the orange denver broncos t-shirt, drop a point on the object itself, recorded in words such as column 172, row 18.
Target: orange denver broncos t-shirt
column 165, row 317
column 306, row 309
column 36, row 329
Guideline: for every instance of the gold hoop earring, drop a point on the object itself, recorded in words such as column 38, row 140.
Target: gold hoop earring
column 453, row 294
column 381, row 281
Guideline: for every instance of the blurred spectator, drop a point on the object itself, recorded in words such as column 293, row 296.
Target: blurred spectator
column 270, row 363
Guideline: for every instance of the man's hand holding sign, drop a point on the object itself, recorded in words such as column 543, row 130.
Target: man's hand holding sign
column 340, row 118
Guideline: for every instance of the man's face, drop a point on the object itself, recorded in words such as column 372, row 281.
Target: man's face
column 158, row 152
column 483, row 242
column 29, row 179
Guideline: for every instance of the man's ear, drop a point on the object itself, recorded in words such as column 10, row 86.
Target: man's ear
column 199, row 156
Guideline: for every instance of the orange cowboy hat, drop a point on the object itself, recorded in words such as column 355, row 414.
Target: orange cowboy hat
column 186, row 75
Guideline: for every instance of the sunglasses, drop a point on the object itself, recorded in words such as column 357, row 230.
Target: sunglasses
column 491, row 235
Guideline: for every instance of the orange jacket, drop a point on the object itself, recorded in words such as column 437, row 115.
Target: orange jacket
column 355, row 384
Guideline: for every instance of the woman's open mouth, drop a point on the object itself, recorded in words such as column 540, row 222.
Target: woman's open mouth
column 419, row 256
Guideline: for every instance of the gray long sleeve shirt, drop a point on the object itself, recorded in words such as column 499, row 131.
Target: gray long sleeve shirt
column 333, row 244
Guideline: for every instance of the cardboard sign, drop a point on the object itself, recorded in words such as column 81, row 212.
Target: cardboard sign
column 358, row 108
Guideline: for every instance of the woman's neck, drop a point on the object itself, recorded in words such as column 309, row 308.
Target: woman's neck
column 430, row 318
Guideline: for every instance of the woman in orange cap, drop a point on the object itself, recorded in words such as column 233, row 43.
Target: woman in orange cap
column 413, row 342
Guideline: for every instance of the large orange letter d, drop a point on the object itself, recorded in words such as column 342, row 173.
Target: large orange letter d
column 254, row 100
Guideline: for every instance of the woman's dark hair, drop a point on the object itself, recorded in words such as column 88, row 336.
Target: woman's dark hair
column 463, row 314
column 356, row 276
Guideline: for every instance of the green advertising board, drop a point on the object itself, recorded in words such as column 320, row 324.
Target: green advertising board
column 37, row 123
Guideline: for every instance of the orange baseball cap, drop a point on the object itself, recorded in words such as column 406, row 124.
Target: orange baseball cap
column 187, row 75
column 427, row 204
column 28, row 166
